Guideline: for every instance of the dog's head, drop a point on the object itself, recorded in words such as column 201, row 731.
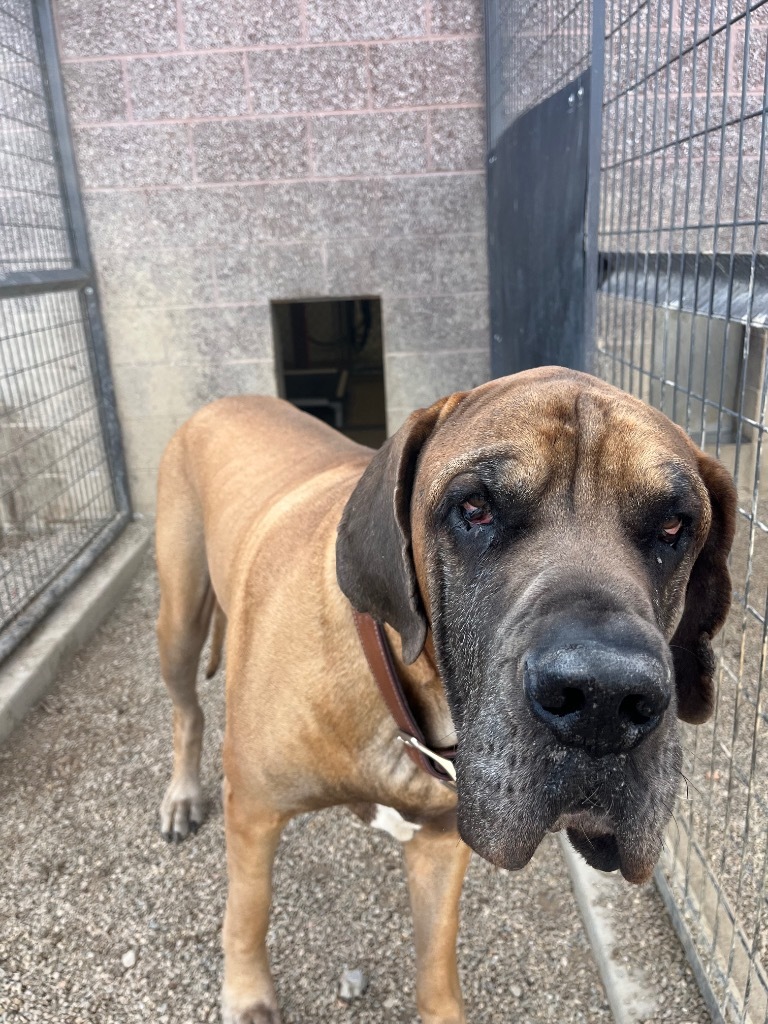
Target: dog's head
column 566, row 544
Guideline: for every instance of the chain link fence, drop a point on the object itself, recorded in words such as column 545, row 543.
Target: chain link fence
column 63, row 494
column 682, row 317
column 675, row 226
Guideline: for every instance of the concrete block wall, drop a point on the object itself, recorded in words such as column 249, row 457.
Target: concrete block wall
column 233, row 154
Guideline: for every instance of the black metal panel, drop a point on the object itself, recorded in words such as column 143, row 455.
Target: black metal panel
column 536, row 234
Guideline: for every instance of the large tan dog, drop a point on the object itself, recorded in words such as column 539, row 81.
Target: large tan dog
column 549, row 556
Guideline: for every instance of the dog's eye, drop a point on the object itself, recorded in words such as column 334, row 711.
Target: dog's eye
column 670, row 530
column 476, row 513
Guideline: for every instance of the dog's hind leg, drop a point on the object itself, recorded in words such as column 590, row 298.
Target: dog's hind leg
column 253, row 833
column 436, row 863
column 187, row 603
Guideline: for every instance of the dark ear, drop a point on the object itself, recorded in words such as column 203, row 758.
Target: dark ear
column 374, row 562
column 707, row 600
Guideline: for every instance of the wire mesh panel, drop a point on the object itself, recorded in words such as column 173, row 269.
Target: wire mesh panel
column 681, row 320
column 62, row 489
column 682, row 314
column 535, row 48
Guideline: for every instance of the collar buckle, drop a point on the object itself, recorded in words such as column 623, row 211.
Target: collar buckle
column 443, row 762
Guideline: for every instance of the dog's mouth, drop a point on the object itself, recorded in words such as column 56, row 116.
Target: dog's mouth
column 604, row 849
column 506, row 825
column 619, row 850
column 601, row 852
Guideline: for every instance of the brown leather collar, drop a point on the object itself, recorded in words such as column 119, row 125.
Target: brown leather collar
column 439, row 762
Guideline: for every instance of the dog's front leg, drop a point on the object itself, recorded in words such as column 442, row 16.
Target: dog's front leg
column 253, row 833
column 436, row 863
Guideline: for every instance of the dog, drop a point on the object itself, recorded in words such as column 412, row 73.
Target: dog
column 548, row 557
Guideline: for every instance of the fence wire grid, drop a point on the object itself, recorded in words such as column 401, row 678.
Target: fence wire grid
column 680, row 319
column 62, row 496
column 535, row 48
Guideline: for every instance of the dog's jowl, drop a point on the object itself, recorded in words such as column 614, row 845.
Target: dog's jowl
column 547, row 557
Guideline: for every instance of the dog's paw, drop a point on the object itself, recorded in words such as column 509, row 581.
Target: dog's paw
column 258, row 1013
column 182, row 811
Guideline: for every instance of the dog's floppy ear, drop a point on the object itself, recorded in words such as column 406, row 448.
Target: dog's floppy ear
column 707, row 600
column 374, row 562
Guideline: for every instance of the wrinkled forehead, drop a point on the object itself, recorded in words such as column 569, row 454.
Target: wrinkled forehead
column 545, row 435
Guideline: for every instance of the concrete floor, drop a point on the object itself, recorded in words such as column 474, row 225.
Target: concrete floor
column 89, row 886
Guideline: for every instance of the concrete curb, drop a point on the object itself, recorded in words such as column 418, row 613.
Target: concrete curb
column 29, row 672
column 632, row 997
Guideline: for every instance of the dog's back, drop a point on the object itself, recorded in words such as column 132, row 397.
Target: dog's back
column 231, row 463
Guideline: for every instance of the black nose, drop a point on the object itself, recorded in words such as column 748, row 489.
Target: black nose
column 597, row 697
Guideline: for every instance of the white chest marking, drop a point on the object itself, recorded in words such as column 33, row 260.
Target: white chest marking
column 388, row 820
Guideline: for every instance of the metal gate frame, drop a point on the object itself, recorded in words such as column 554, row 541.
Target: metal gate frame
column 80, row 277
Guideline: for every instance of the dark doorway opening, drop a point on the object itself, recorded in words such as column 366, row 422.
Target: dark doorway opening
column 330, row 361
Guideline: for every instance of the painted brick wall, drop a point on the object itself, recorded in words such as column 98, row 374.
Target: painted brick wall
column 236, row 153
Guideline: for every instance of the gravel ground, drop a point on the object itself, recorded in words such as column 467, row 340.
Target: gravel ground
column 102, row 921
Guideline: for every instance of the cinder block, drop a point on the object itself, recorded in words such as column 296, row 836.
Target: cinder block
column 461, row 263
column 194, row 216
column 168, row 396
column 437, row 205
column 219, row 334
column 116, row 220
column 217, row 380
column 158, row 277
column 168, row 87
column 388, row 266
column 235, row 23
column 118, row 26
column 94, row 91
column 137, row 336
column 145, row 438
column 143, row 484
column 241, row 214
column 282, row 213
column 308, row 78
column 168, row 391
column 270, row 272
column 453, row 17
column 127, row 155
column 370, row 143
column 431, row 323
column 364, row 19
column 349, row 209
column 415, row 74
column 751, row 201
column 241, row 150
column 457, row 139
column 417, row 379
